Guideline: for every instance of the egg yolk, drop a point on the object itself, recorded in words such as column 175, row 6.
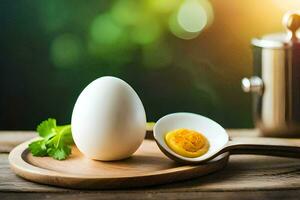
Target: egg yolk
column 187, row 143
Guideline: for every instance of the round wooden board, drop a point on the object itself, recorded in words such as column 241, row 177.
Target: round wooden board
column 148, row 166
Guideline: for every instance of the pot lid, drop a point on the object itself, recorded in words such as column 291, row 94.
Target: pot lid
column 291, row 21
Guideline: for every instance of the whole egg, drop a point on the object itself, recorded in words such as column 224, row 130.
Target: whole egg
column 108, row 120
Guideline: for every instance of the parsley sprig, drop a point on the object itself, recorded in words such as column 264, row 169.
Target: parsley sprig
column 55, row 140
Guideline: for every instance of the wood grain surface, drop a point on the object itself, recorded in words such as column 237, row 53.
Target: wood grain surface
column 148, row 166
column 10, row 139
column 245, row 177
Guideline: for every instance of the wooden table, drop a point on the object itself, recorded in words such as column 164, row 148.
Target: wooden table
column 245, row 177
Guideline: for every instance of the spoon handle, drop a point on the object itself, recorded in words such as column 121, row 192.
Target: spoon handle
column 264, row 146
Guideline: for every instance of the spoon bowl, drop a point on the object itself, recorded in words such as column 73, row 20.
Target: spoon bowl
column 218, row 139
column 215, row 133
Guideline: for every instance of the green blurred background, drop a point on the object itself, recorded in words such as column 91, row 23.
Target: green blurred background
column 179, row 55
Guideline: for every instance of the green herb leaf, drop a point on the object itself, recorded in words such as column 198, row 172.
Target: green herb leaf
column 46, row 127
column 38, row 148
column 60, row 153
column 56, row 140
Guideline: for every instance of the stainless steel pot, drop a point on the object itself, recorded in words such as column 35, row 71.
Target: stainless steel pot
column 276, row 81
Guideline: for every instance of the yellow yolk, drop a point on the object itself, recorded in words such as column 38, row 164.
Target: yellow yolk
column 187, row 143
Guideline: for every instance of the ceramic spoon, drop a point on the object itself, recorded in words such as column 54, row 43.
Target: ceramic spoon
column 219, row 139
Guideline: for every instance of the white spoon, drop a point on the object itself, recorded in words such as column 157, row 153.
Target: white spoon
column 218, row 139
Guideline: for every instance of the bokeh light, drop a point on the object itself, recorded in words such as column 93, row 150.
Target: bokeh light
column 178, row 31
column 146, row 32
column 66, row 51
column 126, row 12
column 104, row 30
column 192, row 17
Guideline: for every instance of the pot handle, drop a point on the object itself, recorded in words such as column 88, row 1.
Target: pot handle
column 253, row 84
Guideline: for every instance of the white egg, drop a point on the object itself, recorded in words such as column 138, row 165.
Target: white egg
column 108, row 120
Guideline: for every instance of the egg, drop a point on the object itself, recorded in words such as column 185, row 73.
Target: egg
column 186, row 142
column 197, row 138
column 108, row 120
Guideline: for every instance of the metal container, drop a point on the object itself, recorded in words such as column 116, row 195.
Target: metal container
column 275, row 84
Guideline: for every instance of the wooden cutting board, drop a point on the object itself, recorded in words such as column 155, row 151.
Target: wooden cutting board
column 148, row 166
